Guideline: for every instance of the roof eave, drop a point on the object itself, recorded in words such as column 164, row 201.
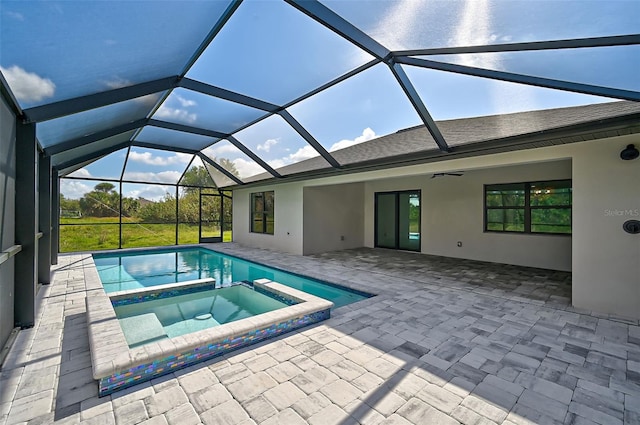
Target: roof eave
column 593, row 130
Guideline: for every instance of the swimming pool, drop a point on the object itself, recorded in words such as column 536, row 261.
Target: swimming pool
column 143, row 269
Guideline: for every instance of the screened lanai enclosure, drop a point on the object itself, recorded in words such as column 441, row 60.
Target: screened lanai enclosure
column 136, row 123
column 148, row 111
column 111, row 209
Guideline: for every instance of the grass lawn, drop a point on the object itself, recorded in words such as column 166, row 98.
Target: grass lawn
column 92, row 233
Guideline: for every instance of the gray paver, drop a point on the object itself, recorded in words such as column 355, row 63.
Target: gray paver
column 487, row 340
column 385, row 402
column 259, row 408
column 251, row 386
column 341, row 392
column 593, row 414
column 484, row 408
column 158, row 420
column 284, row 371
column 314, row 379
column 545, row 405
column 286, row 417
column 182, row 415
column 209, row 397
column 331, row 414
column 546, row 388
column 227, row 413
column 197, row 379
column 284, row 395
column 131, row 413
column 416, row 411
column 30, row 407
column 439, row 398
column 311, row 404
column 260, row 362
column 395, row 419
column 469, row 417
column 165, row 400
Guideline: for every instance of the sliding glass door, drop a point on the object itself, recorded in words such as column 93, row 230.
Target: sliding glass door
column 397, row 220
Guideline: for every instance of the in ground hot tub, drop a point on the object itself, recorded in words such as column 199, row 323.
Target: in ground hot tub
column 123, row 354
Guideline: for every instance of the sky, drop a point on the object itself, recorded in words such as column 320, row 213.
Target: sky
column 271, row 51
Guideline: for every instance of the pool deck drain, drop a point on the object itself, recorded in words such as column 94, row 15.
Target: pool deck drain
column 444, row 342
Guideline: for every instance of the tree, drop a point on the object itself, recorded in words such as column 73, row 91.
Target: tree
column 104, row 187
column 228, row 165
column 197, row 176
column 163, row 211
column 69, row 207
column 130, row 207
column 102, row 201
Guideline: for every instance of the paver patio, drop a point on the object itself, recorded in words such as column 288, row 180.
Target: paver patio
column 445, row 341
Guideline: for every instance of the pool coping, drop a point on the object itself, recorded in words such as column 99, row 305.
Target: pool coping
column 117, row 366
column 346, row 286
column 196, row 283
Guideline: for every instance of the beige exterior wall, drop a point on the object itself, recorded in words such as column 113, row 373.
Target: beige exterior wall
column 333, row 217
column 453, row 211
column 604, row 260
column 287, row 235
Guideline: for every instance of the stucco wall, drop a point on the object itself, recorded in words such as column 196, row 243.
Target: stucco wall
column 606, row 260
column 287, row 235
column 333, row 217
column 7, row 216
column 452, row 211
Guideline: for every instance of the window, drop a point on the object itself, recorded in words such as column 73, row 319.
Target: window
column 262, row 212
column 536, row 207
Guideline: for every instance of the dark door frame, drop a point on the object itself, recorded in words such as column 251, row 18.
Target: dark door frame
column 221, row 222
column 397, row 223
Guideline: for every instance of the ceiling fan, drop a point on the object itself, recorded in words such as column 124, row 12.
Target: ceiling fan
column 455, row 173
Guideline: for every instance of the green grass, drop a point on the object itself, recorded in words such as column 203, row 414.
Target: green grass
column 89, row 234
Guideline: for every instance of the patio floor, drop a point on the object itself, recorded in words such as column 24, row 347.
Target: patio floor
column 445, row 341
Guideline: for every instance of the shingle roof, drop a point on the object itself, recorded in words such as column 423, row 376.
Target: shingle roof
column 468, row 131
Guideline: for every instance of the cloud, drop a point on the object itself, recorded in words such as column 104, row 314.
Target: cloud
column 247, row 168
column 28, row 86
column 15, row 15
column 220, row 149
column 308, row 151
column 149, row 159
column 301, row 154
column 266, row 146
column 181, row 114
column 367, row 134
column 73, row 189
column 153, row 177
column 152, row 193
column 82, row 172
column 117, row 83
column 175, row 114
column 185, row 102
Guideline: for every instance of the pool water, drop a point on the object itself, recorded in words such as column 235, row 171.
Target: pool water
column 136, row 270
column 150, row 321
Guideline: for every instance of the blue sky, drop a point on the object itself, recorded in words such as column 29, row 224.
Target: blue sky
column 57, row 50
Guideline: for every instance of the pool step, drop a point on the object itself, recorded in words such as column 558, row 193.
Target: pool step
column 142, row 329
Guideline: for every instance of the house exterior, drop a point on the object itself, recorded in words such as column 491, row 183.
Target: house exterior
column 471, row 188
column 321, row 213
